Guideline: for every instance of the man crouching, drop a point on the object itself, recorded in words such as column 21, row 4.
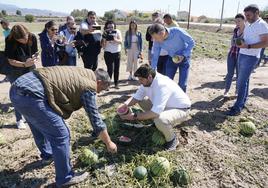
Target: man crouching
column 162, row 100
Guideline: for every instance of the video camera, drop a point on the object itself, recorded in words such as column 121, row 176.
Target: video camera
column 108, row 35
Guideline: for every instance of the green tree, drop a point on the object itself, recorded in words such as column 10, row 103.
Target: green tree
column 18, row 12
column 79, row 13
column 109, row 15
column 29, row 18
column 4, row 12
column 1, row 15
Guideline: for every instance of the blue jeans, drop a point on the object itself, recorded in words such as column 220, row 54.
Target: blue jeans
column 184, row 67
column 12, row 79
column 71, row 61
column 246, row 65
column 232, row 65
column 49, row 130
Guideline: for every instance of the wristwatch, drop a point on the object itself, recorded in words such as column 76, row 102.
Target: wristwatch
column 135, row 116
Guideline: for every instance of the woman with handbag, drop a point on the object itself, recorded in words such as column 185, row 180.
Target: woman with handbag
column 21, row 51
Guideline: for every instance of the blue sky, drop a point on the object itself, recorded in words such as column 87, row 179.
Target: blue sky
column 210, row 8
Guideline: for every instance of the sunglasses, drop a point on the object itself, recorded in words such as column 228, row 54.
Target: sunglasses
column 53, row 29
column 73, row 28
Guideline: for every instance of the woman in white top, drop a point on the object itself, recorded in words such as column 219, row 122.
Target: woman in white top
column 111, row 42
column 133, row 48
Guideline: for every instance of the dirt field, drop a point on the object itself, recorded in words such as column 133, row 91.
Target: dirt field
column 211, row 149
column 216, row 155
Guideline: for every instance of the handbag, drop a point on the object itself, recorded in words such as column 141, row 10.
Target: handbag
column 5, row 67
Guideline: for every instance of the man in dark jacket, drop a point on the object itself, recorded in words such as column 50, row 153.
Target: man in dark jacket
column 89, row 41
column 48, row 95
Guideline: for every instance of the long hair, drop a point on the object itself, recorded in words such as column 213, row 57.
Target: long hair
column 129, row 27
column 49, row 25
column 19, row 31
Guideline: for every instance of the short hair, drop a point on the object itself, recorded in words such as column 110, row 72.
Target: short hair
column 167, row 16
column 240, row 16
column 156, row 28
column 156, row 14
column 91, row 13
column 4, row 22
column 251, row 8
column 69, row 18
column 109, row 22
column 102, row 75
column 144, row 71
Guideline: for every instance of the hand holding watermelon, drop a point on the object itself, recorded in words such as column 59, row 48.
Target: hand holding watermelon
column 122, row 110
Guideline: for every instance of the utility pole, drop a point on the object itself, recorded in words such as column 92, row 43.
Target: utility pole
column 238, row 7
column 222, row 9
column 189, row 14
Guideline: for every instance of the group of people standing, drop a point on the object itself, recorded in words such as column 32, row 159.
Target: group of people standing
column 46, row 96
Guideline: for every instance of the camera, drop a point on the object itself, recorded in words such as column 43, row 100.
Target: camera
column 108, row 35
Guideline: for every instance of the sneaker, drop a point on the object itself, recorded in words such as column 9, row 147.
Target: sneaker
column 77, row 178
column 226, row 94
column 233, row 112
column 21, row 124
column 134, row 78
column 171, row 145
column 45, row 162
column 129, row 78
column 116, row 86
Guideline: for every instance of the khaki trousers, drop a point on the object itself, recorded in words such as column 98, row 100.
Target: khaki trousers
column 167, row 119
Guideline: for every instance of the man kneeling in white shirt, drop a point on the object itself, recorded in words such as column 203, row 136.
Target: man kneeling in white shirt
column 162, row 100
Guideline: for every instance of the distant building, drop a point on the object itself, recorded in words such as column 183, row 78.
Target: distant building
column 120, row 14
column 182, row 15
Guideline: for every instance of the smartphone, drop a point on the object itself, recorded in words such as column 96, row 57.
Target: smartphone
column 35, row 55
column 96, row 27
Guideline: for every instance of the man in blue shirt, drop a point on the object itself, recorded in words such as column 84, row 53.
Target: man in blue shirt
column 176, row 42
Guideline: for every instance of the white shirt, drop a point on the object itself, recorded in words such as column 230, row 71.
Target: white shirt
column 252, row 33
column 164, row 94
column 134, row 39
column 112, row 46
column 69, row 37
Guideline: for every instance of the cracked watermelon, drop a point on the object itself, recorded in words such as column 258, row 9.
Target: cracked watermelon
column 180, row 177
column 88, row 157
column 140, row 172
column 160, row 166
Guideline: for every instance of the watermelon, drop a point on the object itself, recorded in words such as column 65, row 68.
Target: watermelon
column 123, row 110
column 239, row 41
column 88, row 157
column 140, row 172
column 177, row 59
column 247, row 128
column 180, row 177
column 160, row 166
column 158, row 138
column 243, row 119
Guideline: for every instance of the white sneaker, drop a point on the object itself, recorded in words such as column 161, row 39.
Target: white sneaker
column 134, row 78
column 129, row 77
column 226, row 95
column 21, row 124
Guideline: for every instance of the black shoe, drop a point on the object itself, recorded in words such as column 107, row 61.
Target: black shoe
column 116, row 86
column 77, row 178
column 233, row 112
column 171, row 145
column 45, row 162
